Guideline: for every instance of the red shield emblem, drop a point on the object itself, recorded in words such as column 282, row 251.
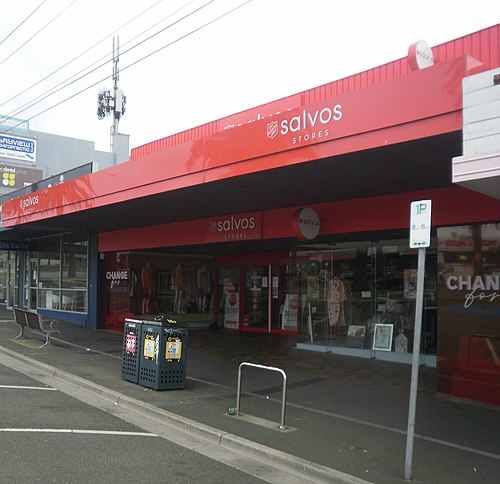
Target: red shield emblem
column 272, row 129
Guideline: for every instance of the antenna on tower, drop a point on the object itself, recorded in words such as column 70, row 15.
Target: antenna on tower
column 112, row 102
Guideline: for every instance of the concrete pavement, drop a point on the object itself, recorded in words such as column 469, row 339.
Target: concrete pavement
column 345, row 416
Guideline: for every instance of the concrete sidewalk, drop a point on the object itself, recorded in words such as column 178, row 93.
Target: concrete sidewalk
column 345, row 416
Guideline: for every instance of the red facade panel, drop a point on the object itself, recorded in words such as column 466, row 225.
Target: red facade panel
column 483, row 45
column 369, row 118
column 450, row 206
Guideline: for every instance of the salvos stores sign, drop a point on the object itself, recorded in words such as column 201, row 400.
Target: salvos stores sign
column 246, row 226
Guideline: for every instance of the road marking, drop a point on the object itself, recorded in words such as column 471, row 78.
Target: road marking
column 20, row 387
column 460, row 447
column 82, row 431
column 322, row 412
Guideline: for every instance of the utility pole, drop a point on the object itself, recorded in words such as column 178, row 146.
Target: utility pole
column 112, row 102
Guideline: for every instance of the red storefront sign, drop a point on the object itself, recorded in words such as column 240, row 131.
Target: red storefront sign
column 246, row 226
column 327, row 128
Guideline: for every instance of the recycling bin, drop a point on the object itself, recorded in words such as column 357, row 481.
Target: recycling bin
column 164, row 355
column 132, row 343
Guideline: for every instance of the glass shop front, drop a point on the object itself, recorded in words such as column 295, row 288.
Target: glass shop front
column 350, row 297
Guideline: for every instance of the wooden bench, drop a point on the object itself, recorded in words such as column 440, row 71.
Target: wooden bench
column 34, row 322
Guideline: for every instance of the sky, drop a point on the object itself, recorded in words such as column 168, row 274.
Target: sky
column 184, row 63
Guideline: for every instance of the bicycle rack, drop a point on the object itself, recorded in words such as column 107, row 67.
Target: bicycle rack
column 271, row 368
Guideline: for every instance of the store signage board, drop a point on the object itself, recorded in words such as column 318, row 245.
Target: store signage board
column 306, row 223
column 420, row 224
column 8, row 123
column 17, row 148
column 420, row 55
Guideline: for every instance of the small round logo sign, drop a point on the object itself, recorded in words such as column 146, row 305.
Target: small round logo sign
column 306, row 223
column 420, row 55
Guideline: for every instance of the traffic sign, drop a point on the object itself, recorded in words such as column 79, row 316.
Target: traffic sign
column 420, row 224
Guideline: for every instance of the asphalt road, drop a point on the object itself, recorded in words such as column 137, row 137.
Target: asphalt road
column 49, row 436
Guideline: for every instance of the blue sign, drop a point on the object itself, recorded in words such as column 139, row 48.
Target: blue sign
column 17, row 245
column 8, row 123
column 17, row 148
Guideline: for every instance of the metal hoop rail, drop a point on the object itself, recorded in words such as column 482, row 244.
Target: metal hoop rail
column 271, row 368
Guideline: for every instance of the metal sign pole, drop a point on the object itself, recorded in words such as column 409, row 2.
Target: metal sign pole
column 415, row 363
column 420, row 238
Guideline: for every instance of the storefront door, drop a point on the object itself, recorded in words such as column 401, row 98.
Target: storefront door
column 229, row 296
column 256, row 298
column 252, row 293
column 277, row 293
column 264, row 298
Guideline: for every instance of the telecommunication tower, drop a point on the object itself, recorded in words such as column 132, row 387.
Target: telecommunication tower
column 112, row 101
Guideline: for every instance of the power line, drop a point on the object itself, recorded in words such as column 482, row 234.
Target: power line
column 22, row 22
column 76, row 58
column 141, row 59
column 54, row 90
column 34, row 35
column 66, row 83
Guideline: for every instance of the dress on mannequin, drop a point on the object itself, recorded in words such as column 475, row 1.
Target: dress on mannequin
column 203, row 282
column 148, row 287
column 335, row 302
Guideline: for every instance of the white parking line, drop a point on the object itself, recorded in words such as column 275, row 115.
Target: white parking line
column 82, row 431
column 19, row 387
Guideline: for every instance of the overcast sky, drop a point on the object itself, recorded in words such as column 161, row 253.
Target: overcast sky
column 262, row 51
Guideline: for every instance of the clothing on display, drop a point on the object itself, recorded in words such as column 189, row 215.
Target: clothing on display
column 179, row 288
column 203, row 283
column 335, row 302
column 148, row 287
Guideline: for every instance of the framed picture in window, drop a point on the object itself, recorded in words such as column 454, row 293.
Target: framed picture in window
column 355, row 336
column 382, row 337
column 164, row 281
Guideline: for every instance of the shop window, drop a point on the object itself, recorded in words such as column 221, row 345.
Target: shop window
column 469, row 311
column 62, row 273
column 74, row 262
column 361, row 296
column 13, row 272
column 3, row 276
column 145, row 283
column 49, row 256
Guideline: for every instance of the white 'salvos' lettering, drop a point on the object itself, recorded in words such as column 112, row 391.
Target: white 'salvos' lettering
column 308, row 120
column 236, row 224
column 30, row 201
column 233, row 228
column 311, row 125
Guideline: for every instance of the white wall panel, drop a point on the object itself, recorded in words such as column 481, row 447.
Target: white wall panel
column 479, row 167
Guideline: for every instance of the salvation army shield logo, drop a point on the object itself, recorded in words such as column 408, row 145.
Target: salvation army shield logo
column 272, row 129
column 212, row 226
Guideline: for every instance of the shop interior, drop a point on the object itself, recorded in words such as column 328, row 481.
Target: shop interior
column 357, row 295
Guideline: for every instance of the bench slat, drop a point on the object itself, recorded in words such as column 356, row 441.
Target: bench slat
column 34, row 322
column 20, row 317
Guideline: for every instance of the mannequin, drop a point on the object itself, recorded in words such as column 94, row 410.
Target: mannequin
column 203, row 281
column 179, row 288
column 335, row 299
column 148, row 287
